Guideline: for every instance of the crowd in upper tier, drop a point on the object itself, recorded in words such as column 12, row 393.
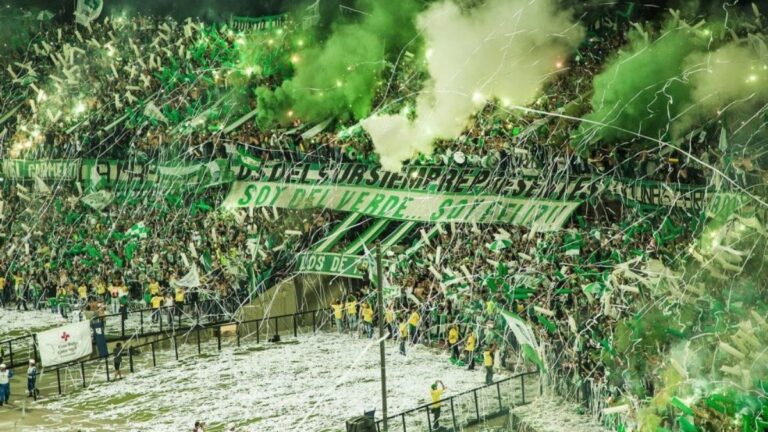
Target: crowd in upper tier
column 146, row 88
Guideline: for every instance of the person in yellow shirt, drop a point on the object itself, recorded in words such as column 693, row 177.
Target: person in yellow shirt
column 156, row 302
column 82, row 293
column 453, row 342
column 351, row 307
column 389, row 319
column 179, row 301
column 338, row 314
column 488, row 363
column 436, row 393
column 413, row 325
column 403, row 336
column 154, row 287
column 101, row 290
column 367, row 311
column 469, row 347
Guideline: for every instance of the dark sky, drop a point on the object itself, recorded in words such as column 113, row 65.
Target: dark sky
column 180, row 9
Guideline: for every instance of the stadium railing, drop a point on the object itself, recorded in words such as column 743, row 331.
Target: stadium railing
column 22, row 348
column 467, row 408
column 79, row 374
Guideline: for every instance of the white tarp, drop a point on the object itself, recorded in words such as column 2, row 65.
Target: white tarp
column 65, row 344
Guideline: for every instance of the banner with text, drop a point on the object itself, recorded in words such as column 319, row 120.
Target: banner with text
column 543, row 215
column 65, row 344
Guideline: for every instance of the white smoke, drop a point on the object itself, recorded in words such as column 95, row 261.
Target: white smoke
column 505, row 50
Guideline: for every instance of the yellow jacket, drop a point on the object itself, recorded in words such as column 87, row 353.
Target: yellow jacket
column 487, row 358
column 453, row 335
column 471, row 340
column 367, row 314
column 414, row 319
column 351, row 308
column 338, row 310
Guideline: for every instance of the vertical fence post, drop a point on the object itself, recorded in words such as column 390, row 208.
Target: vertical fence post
column 477, row 408
column 522, row 386
column 122, row 326
column 453, row 416
column 130, row 359
column 10, row 353
column 237, row 330
column 498, row 394
column 141, row 322
column 176, row 348
column 218, row 338
column 58, row 380
column 258, row 330
column 429, row 418
column 198, row 341
column 82, row 371
column 34, row 346
column 106, row 367
column 295, row 326
column 154, row 361
column 277, row 330
column 314, row 322
column 403, row 416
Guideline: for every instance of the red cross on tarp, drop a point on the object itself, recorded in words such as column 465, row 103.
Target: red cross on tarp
column 65, row 336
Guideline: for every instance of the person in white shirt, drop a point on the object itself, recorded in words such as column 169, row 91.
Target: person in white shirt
column 5, row 384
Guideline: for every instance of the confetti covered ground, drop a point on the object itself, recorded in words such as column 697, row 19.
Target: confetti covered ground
column 308, row 383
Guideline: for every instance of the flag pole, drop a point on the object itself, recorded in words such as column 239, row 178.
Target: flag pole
column 379, row 280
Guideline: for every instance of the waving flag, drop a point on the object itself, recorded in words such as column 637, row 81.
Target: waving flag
column 87, row 11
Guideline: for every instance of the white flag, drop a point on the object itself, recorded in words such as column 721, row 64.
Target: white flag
column 87, row 11
column 190, row 280
column 65, row 344
column 98, row 200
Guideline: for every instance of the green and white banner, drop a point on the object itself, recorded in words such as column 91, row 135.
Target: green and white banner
column 110, row 173
column 331, row 264
column 543, row 215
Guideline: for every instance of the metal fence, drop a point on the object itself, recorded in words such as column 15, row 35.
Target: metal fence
column 197, row 340
column 467, row 408
column 136, row 323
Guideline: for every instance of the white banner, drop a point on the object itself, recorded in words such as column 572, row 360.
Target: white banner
column 417, row 206
column 65, row 344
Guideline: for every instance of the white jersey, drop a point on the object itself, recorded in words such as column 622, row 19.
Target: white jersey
column 4, row 376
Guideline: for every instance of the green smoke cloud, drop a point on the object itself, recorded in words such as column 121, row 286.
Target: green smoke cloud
column 643, row 88
column 338, row 77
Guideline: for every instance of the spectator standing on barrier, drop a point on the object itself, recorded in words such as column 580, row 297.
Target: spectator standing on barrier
column 488, row 354
column 32, row 380
column 338, row 314
column 118, row 354
column 351, row 307
column 413, row 325
column 367, row 312
column 436, row 393
column 453, row 342
column 5, row 384
column 469, row 347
